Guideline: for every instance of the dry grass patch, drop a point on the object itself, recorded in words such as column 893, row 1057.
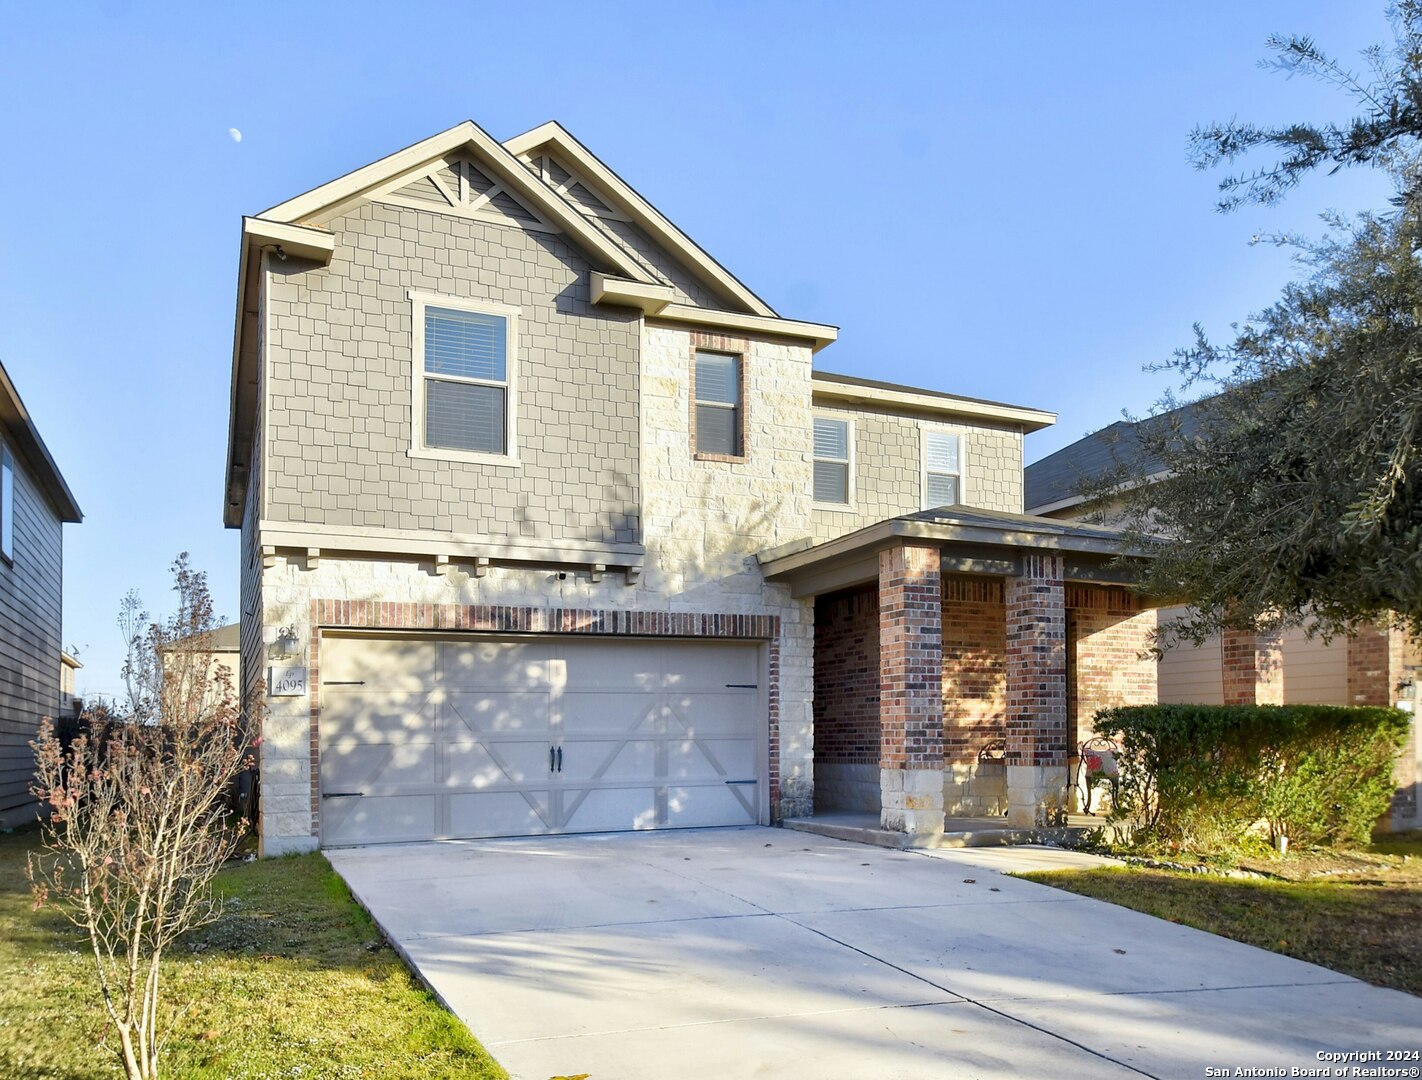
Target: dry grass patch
column 293, row 981
column 1355, row 912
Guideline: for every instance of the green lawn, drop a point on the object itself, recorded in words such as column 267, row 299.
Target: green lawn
column 292, row 982
column 1359, row 914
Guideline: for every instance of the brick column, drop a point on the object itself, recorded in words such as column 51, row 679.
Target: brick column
column 911, row 690
column 1377, row 656
column 1253, row 668
column 1036, row 692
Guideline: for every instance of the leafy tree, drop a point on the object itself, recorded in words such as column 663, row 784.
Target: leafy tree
column 137, row 824
column 1294, row 492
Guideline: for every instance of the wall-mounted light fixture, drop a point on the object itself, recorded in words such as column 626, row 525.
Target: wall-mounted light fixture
column 281, row 641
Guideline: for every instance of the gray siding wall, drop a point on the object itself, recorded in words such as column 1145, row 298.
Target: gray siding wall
column 340, row 371
column 31, row 595
column 888, row 467
column 250, row 632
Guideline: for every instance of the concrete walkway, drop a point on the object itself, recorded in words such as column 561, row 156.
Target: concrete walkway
column 765, row 953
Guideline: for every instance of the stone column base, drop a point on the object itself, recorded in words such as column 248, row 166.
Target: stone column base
column 1036, row 795
column 911, row 801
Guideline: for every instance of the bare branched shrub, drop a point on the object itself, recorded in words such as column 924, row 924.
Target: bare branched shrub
column 137, row 820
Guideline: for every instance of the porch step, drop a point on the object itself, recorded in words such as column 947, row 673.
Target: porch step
column 957, row 832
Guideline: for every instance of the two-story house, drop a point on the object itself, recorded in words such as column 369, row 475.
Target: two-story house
column 550, row 525
column 35, row 502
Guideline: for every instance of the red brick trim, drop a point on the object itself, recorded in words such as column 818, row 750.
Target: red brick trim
column 740, row 348
column 498, row 619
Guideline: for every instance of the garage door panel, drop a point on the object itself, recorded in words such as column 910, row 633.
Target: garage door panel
column 611, row 809
column 723, row 804
column 719, row 713
column 382, row 716
column 711, row 667
column 378, row 819
column 609, row 759
column 500, row 813
column 381, row 663
column 599, row 666
column 496, row 665
column 496, row 712
column 705, row 759
column 350, row 765
column 475, row 764
column 607, row 712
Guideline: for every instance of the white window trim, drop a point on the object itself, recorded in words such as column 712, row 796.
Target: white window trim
column 850, row 505
column 924, row 430
column 7, row 513
column 418, row 302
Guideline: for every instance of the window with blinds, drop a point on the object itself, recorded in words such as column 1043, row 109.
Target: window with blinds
column 942, row 472
column 466, row 380
column 718, row 404
column 831, row 460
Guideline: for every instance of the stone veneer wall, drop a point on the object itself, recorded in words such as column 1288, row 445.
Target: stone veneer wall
column 847, row 701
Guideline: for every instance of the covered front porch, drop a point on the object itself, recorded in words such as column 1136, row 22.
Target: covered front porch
column 960, row 655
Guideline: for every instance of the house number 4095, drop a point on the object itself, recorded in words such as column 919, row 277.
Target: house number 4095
column 288, row 681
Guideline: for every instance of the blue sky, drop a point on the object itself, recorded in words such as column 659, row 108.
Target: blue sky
column 990, row 199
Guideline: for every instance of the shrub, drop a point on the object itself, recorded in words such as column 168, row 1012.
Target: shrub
column 1204, row 776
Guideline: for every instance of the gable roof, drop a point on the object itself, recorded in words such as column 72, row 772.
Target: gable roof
column 26, row 438
column 329, row 200
column 296, row 227
column 930, row 402
column 720, row 281
column 1056, row 481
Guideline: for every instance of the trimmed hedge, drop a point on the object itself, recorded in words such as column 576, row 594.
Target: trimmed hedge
column 1204, row 776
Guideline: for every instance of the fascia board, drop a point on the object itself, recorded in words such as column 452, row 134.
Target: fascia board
column 639, row 210
column 649, row 299
column 1028, row 419
column 302, row 241
column 819, row 334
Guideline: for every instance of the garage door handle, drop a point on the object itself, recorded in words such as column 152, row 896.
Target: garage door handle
column 742, row 686
column 560, row 759
column 342, row 794
column 551, row 759
column 742, row 781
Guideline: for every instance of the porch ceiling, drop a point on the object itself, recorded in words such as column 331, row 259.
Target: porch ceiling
column 971, row 541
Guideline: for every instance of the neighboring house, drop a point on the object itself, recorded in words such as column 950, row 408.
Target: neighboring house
column 224, row 645
column 548, row 525
column 69, row 705
column 1374, row 667
column 35, row 503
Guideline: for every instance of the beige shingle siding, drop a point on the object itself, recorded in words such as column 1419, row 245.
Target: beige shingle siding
column 341, row 370
column 888, row 464
column 31, row 595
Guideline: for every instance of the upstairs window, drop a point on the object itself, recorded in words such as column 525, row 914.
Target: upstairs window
column 832, row 457
column 719, row 405
column 464, row 354
column 7, row 504
column 942, row 472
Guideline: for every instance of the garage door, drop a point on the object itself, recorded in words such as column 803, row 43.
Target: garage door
column 429, row 739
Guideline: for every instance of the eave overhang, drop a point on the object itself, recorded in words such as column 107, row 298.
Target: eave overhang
column 27, row 442
column 970, row 543
column 832, row 387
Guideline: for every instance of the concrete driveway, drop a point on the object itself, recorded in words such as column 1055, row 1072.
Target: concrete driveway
column 767, row 953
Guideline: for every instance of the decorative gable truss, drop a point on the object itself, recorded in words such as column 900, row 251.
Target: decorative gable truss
column 455, row 185
column 567, row 183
